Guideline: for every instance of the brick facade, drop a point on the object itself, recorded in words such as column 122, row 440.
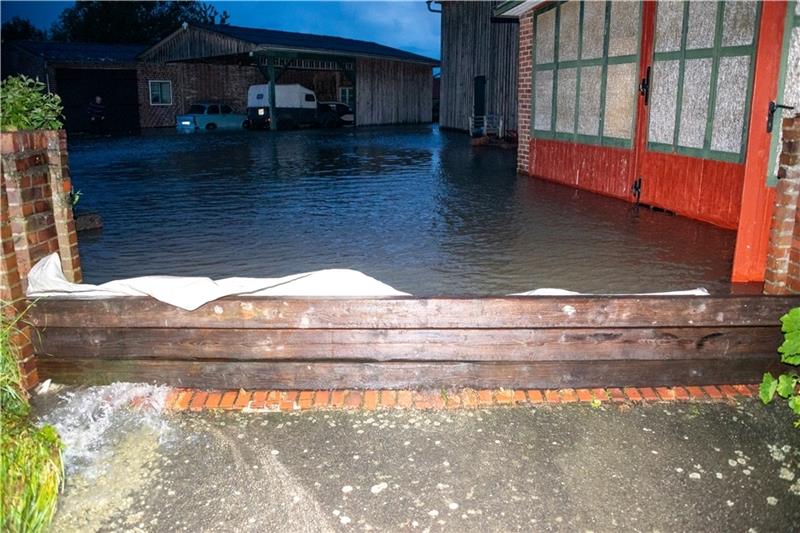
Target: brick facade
column 524, row 77
column 35, row 221
column 193, row 82
column 782, row 275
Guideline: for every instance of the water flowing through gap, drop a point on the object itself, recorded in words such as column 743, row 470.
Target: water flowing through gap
column 412, row 206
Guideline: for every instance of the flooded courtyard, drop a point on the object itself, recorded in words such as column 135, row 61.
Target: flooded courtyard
column 415, row 207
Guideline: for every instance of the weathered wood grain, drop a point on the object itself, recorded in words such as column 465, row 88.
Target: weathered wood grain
column 394, row 375
column 497, row 345
column 415, row 313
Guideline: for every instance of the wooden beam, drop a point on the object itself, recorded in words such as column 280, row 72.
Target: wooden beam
column 399, row 375
column 409, row 312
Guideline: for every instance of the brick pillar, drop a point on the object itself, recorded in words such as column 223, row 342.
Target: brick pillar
column 524, row 77
column 783, row 254
column 36, row 221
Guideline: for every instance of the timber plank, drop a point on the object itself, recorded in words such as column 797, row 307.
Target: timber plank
column 396, row 375
column 411, row 344
column 411, row 313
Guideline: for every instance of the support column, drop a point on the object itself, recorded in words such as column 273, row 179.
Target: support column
column 273, row 119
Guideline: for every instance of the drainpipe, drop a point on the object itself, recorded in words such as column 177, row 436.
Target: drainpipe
column 430, row 2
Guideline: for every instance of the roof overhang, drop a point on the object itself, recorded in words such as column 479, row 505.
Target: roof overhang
column 332, row 54
column 515, row 8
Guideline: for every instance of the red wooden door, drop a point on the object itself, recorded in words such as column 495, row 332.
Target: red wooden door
column 691, row 132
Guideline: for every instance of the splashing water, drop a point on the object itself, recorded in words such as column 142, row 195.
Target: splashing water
column 91, row 420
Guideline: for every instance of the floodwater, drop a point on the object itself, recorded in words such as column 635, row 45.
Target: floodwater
column 413, row 206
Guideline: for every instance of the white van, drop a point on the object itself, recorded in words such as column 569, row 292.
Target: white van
column 294, row 106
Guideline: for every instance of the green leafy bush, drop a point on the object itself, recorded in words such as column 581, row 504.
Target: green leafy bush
column 31, row 466
column 26, row 105
column 785, row 385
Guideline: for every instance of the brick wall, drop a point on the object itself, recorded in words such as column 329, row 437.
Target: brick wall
column 193, row 82
column 524, row 77
column 35, row 220
column 783, row 260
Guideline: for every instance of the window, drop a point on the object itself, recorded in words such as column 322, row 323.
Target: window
column 213, row 110
column 160, row 92
column 585, row 73
column 310, row 98
column 702, row 78
column 226, row 110
column 347, row 95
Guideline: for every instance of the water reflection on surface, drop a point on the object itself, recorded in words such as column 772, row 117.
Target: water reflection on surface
column 412, row 206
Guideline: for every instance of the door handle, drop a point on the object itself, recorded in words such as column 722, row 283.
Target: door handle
column 644, row 87
column 773, row 106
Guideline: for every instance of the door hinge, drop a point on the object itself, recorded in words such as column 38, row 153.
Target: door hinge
column 636, row 189
column 773, row 106
column 644, row 87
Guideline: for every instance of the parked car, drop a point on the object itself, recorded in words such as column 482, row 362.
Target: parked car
column 295, row 106
column 342, row 110
column 210, row 116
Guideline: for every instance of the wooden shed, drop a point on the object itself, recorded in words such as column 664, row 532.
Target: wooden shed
column 667, row 103
column 384, row 85
column 479, row 65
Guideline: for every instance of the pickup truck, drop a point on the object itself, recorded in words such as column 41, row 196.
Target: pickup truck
column 210, row 116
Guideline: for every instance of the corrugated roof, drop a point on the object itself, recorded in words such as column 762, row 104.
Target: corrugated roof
column 81, row 52
column 308, row 41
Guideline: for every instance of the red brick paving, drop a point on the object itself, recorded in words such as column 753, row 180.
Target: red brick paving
column 198, row 400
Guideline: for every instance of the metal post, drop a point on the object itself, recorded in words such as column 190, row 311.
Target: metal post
column 273, row 121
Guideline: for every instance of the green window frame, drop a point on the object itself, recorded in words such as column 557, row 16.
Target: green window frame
column 579, row 64
column 715, row 53
column 792, row 21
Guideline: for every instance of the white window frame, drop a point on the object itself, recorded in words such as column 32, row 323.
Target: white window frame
column 150, row 90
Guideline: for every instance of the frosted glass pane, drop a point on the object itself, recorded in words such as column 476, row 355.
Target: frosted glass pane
column 620, row 100
column 663, row 101
column 669, row 26
column 545, row 36
column 568, row 33
column 594, row 27
column 565, row 100
column 694, row 104
column 738, row 23
column 623, row 38
column 543, row 98
column 702, row 24
column 589, row 101
column 730, row 105
column 791, row 87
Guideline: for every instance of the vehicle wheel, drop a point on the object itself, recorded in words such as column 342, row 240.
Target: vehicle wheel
column 330, row 121
column 211, row 126
column 246, row 124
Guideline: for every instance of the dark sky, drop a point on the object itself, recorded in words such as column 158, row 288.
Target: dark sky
column 406, row 25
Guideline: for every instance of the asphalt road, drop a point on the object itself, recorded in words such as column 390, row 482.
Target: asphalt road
column 660, row 467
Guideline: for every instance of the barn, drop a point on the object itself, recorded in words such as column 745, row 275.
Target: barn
column 479, row 65
column 78, row 72
column 384, row 85
column 670, row 104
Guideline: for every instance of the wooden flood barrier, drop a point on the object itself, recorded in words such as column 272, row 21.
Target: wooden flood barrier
column 323, row 343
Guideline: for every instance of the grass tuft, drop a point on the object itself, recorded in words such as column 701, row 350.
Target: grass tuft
column 31, row 465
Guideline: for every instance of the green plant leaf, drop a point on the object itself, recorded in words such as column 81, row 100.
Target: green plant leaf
column 794, row 404
column 791, row 359
column 791, row 343
column 791, row 321
column 786, row 385
column 766, row 391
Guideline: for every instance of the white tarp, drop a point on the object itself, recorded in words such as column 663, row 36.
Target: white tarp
column 47, row 279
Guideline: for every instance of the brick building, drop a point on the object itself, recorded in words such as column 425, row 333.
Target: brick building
column 146, row 87
column 666, row 103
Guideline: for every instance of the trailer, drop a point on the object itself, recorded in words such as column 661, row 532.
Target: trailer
column 295, row 106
